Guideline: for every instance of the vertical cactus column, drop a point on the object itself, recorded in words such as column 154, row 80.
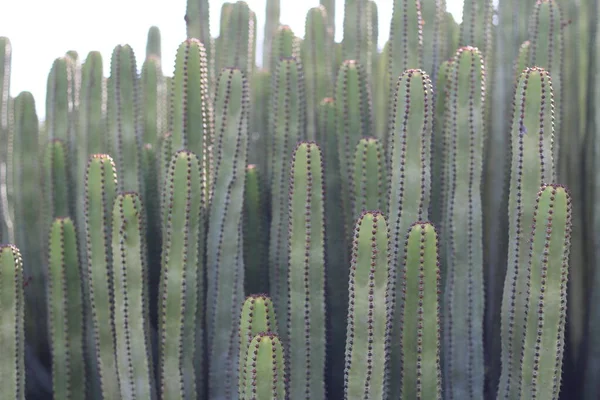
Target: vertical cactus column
column 65, row 311
column 264, row 371
column 369, row 310
column 420, row 313
column 306, row 275
column 181, row 277
column 409, row 188
column 258, row 316
column 256, row 275
column 546, row 297
column 284, row 46
column 532, row 165
column 154, row 108
column 12, row 336
column 316, row 58
column 369, row 177
column 123, row 117
column 5, row 67
column 154, row 43
column 287, row 127
column 464, row 292
column 132, row 319
column 354, row 121
column 191, row 111
column 272, row 16
column 237, row 41
column 225, row 258
column 330, row 8
column 100, row 190
column 432, row 13
column 359, row 42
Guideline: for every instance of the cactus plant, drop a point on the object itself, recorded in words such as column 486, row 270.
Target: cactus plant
column 264, row 370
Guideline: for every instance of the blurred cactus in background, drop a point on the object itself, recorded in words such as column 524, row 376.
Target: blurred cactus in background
column 226, row 230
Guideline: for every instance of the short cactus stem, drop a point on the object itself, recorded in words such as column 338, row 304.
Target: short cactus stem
column 264, row 370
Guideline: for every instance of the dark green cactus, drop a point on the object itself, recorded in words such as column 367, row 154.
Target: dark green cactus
column 100, row 191
column 420, row 314
column 225, row 258
column 131, row 315
column 532, row 165
column 256, row 275
column 12, row 337
column 264, row 371
column 542, row 345
column 409, row 188
column 287, row 126
column 181, row 277
column 65, row 312
column 369, row 310
column 306, row 275
column 258, row 316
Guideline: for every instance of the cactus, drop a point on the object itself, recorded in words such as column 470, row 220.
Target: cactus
column 369, row 310
column 306, row 275
column 131, row 315
column 287, row 126
column 237, row 41
column 409, row 188
column 100, row 190
column 181, row 277
column 406, row 40
column 273, row 11
column 12, row 338
column 154, row 44
column 154, row 107
column 256, row 275
column 420, row 313
column 369, row 179
column 532, row 165
column 258, row 316
column 65, row 310
column 284, row 46
column 264, row 370
column 546, row 297
column 5, row 67
column 360, row 40
column 225, row 259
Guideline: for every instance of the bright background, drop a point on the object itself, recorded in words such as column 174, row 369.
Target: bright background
column 41, row 31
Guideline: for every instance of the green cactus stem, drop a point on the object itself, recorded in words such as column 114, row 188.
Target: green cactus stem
column 153, row 101
column 542, row 345
column 284, row 46
column 532, row 165
column 225, row 258
column 371, row 287
column 56, row 185
column 5, row 132
column 181, row 277
column 154, row 43
column 100, row 191
column 264, row 371
column 359, row 42
column 131, row 315
column 306, row 275
column 12, row 338
column 237, row 41
column 273, row 12
column 65, row 311
column 369, row 181
column 258, row 315
column 409, row 188
column 406, row 40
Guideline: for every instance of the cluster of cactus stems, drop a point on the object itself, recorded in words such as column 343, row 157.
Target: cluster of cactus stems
column 357, row 220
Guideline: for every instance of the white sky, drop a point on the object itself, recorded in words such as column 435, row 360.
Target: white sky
column 41, row 31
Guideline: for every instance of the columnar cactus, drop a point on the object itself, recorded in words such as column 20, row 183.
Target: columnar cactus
column 12, row 337
column 225, row 244
column 264, row 370
column 306, row 324
column 369, row 179
column 286, row 127
column 124, row 117
column 273, row 11
column 532, row 165
column 5, row 66
column 369, row 309
column 237, row 42
column 256, row 275
column 420, row 314
column 409, row 188
column 284, row 45
column 542, row 345
column 258, row 316
column 65, row 312
column 153, row 101
column 464, row 292
column 100, row 192
column 359, row 41
column 406, row 40
column 181, row 276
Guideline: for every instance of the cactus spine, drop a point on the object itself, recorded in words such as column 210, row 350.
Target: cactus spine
column 225, row 259
column 369, row 309
column 12, row 337
column 420, row 313
column 131, row 315
column 306, row 274
column 532, row 165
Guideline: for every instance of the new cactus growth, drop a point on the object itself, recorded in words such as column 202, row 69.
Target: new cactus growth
column 264, row 370
column 306, row 274
column 12, row 336
column 369, row 309
column 65, row 311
